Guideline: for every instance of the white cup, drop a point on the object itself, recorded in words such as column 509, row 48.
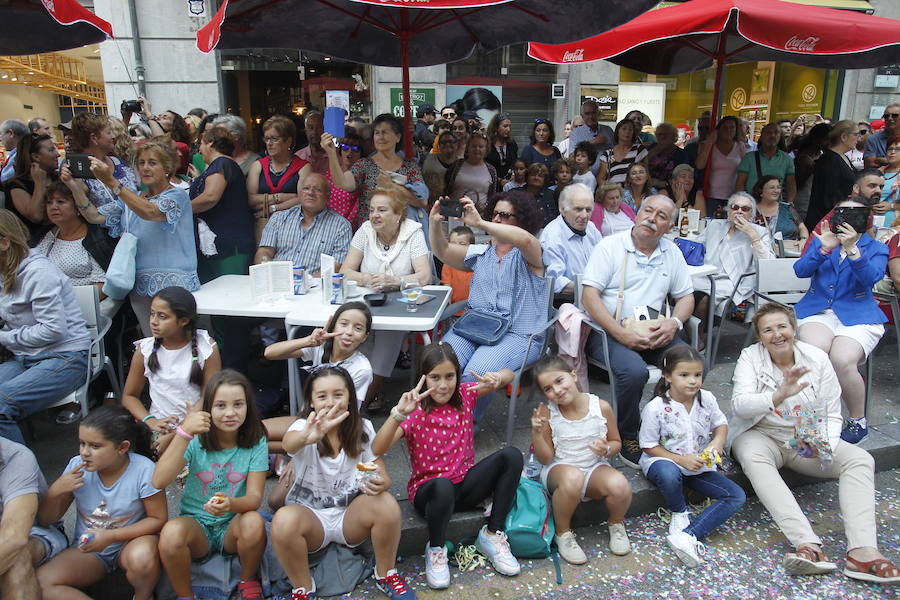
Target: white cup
column 351, row 288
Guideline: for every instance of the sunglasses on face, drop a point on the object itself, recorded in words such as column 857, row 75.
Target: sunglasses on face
column 745, row 209
column 503, row 215
column 890, row 115
column 862, row 132
column 353, row 147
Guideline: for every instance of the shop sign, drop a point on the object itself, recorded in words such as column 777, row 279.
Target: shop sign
column 738, row 98
column 417, row 96
column 888, row 70
column 649, row 98
column 606, row 98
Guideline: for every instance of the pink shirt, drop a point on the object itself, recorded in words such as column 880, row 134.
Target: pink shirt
column 441, row 443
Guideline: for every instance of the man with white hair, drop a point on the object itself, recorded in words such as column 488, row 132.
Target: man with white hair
column 875, row 152
column 313, row 153
column 11, row 131
column 569, row 239
column 652, row 269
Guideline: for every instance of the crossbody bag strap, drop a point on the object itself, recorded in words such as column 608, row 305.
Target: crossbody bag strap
column 758, row 166
column 620, row 297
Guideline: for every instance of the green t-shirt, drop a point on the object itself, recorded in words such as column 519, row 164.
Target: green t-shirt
column 780, row 165
column 219, row 471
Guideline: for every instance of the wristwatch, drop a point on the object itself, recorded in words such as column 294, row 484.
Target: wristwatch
column 854, row 251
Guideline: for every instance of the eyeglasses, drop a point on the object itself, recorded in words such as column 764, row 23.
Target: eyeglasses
column 272, row 140
column 741, row 208
column 892, row 149
column 539, row 121
column 353, row 147
column 503, row 117
column 503, row 215
column 890, row 115
column 862, row 132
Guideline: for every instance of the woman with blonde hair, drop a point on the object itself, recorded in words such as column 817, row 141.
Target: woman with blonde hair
column 388, row 250
column 160, row 217
column 43, row 329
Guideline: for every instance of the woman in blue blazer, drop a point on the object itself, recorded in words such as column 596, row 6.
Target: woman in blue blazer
column 838, row 313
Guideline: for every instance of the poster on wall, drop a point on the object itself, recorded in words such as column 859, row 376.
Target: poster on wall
column 417, row 96
column 606, row 98
column 649, row 98
column 484, row 101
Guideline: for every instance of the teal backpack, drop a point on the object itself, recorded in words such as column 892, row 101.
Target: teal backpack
column 529, row 524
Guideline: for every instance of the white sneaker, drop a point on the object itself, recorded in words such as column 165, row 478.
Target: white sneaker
column 437, row 573
column 618, row 539
column 679, row 522
column 496, row 549
column 687, row 548
column 569, row 549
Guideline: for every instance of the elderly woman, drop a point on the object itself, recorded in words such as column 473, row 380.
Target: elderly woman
column 242, row 155
column 722, row 151
column 384, row 168
column 664, row 156
column 79, row 249
column 637, row 186
column 787, row 413
column 628, row 150
column 219, row 198
column 160, row 217
column 387, row 251
column 42, row 327
column 775, row 215
column 272, row 181
column 682, row 191
column 733, row 245
column 472, row 176
column 838, row 314
column 35, row 168
column 508, row 282
column 611, row 214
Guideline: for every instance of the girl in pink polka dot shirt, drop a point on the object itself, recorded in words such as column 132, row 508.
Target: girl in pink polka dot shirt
column 438, row 426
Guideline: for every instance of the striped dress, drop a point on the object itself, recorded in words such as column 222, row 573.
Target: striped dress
column 616, row 171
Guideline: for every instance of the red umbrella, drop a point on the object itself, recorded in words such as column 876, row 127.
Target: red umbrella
column 429, row 32
column 690, row 36
column 36, row 26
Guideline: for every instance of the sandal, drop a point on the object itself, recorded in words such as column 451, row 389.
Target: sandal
column 376, row 405
column 880, row 570
column 807, row 560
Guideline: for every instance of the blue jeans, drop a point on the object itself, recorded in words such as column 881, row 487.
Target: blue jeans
column 728, row 495
column 629, row 369
column 29, row 383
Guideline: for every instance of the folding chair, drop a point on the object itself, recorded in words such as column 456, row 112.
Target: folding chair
column 89, row 301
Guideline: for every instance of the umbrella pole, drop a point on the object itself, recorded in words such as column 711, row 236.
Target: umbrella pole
column 407, row 104
column 714, row 114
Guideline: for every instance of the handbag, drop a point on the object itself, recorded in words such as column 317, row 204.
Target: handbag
column 121, row 272
column 694, row 252
column 642, row 327
column 482, row 328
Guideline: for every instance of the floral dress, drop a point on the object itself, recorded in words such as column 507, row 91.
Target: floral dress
column 366, row 171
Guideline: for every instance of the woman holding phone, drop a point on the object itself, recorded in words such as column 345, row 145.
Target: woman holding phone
column 838, row 314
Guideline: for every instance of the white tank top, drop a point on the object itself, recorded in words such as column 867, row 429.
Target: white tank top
column 571, row 438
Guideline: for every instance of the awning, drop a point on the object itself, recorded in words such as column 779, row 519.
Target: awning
column 856, row 5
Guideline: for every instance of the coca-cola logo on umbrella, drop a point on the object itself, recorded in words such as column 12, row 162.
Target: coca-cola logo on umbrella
column 796, row 44
column 573, row 56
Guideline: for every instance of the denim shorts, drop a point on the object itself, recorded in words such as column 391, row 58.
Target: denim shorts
column 52, row 538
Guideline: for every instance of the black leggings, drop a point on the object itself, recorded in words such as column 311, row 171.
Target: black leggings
column 497, row 474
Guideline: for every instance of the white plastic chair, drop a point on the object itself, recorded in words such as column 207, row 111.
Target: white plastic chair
column 88, row 298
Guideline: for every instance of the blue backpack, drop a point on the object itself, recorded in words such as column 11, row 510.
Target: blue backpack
column 529, row 524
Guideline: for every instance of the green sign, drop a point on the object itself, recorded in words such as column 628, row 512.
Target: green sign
column 417, row 96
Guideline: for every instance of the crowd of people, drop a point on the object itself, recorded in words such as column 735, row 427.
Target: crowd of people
column 192, row 201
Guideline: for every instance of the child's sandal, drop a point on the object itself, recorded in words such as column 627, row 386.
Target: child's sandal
column 880, row 570
column 807, row 560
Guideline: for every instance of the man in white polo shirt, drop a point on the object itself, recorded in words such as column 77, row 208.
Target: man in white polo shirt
column 654, row 269
column 569, row 239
